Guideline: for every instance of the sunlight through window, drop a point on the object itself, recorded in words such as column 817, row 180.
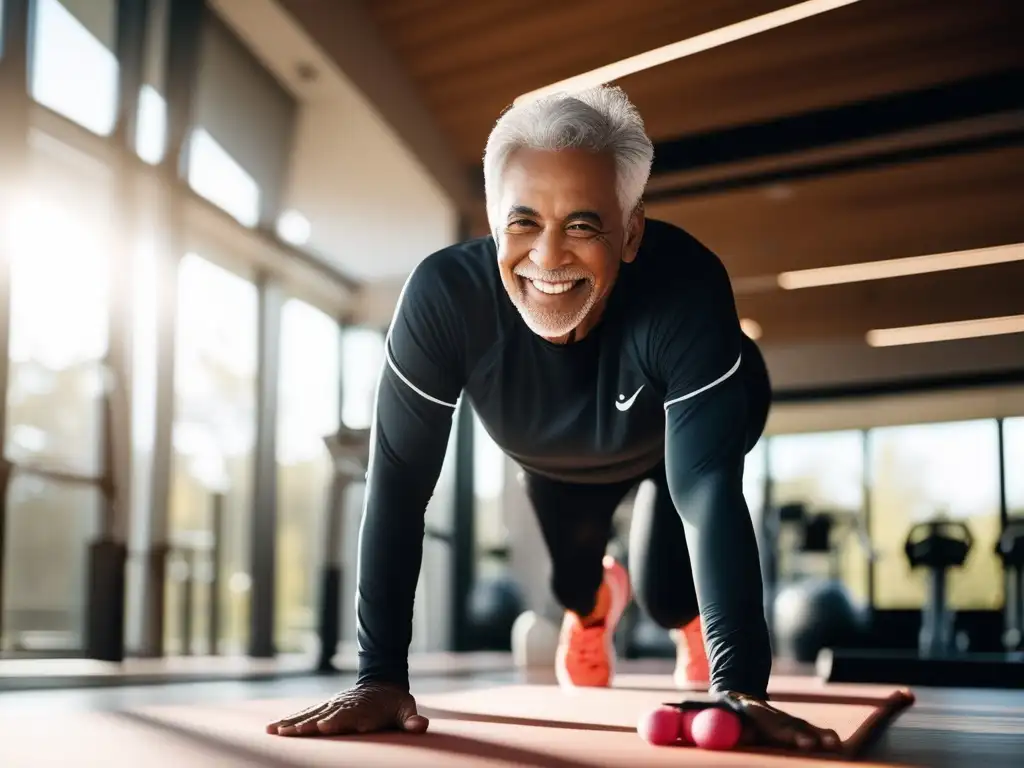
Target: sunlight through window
column 151, row 130
column 217, row 176
column 73, row 73
column 310, row 375
column 362, row 358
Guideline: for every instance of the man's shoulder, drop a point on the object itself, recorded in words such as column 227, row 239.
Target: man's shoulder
column 668, row 250
column 674, row 272
column 455, row 277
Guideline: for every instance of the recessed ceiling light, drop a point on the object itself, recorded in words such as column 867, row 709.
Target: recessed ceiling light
column 294, row 228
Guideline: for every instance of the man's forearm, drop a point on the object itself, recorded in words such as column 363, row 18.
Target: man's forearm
column 705, row 448
column 410, row 437
column 727, row 575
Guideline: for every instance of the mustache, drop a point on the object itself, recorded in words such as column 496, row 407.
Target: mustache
column 530, row 271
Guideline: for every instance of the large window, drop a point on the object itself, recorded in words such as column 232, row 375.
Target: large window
column 919, row 473
column 59, row 239
column 488, row 488
column 308, row 410
column 1013, row 458
column 218, row 177
column 73, row 71
column 362, row 356
column 214, row 437
column 824, row 472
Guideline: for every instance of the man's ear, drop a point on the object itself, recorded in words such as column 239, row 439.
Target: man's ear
column 634, row 233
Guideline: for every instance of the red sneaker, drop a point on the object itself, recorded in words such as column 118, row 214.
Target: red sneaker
column 692, row 668
column 586, row 653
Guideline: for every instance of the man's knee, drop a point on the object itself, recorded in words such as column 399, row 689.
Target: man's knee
column 669, row 606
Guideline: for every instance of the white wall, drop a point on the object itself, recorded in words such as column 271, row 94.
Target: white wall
column 373, row 208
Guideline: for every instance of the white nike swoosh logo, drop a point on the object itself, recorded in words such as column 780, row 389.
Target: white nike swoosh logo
column 626, row 405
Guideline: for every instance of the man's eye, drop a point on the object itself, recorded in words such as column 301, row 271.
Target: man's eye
column 581, row 227
column 520, row 223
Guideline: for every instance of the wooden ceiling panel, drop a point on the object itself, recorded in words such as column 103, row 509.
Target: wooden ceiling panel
column 471, row 59
column 474, row 58
column 945, row 204
column 849, row 311
column 870, row 48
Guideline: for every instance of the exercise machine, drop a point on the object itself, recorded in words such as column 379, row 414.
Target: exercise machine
column 1010, row 549
column 937, row 546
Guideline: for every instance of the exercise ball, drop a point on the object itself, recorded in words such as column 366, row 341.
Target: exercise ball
column 814, row 614
column 494, row 605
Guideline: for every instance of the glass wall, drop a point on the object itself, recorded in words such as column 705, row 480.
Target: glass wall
column 308, row 410
column 214, row 438
column 1013, row 448
column 488, row 487
column 823, row 472
column 73, row 70
column 62, row 236
column 362, row 355
column 58, row 339
column 923, row 471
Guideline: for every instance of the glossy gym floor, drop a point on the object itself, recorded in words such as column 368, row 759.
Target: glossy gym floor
column 945, row 726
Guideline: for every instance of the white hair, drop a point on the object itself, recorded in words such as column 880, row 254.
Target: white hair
column 600, row 119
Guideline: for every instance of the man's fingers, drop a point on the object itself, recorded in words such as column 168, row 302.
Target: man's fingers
column 794, row 735
column 292, row 720
column 415, row 724
column 829, row 739
column 408, row 719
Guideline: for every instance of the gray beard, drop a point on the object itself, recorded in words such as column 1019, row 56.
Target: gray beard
column 550, row 323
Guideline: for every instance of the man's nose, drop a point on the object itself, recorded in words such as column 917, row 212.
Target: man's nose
column 549, row 251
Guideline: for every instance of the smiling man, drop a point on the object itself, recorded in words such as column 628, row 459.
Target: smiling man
column 600, row 349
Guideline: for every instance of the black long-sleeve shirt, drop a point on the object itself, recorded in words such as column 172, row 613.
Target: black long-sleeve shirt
column 661, row 377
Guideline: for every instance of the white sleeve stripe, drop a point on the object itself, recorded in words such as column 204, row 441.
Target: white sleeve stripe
column 716, row 382
column 413, row 387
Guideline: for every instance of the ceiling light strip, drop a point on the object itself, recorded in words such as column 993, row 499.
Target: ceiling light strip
column 889, row 268
column 688, row 47
column 964, row 329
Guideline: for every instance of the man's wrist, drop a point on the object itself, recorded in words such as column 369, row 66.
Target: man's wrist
column 394, row 673
column 743, row 699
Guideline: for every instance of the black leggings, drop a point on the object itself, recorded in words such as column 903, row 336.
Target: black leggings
column 576, row 522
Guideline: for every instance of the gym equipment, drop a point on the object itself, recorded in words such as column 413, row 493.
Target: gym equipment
column 350, row 452
column 495, row 604
column 975, row 670
column 937, row 545
column 1010, row 549
column 814, row 614
column 534, row 641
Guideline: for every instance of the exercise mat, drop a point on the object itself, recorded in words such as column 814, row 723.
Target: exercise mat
column 535, row 726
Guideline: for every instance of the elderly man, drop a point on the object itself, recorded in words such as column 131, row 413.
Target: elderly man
column 600, row 349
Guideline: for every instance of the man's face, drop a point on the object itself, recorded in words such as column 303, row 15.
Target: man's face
column 562, row 237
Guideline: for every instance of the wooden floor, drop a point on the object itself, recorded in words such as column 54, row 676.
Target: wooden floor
column 946, row 727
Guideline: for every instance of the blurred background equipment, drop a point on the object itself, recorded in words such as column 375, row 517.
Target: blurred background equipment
column 813, row 608
column 936, row 547
column 1011, row 551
